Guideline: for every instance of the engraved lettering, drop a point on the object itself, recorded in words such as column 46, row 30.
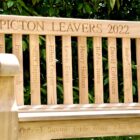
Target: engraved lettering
column 121, row 29
column 85, row 27
column 98, row 68
column 22, row 25
column 113, row 79
column 67, row 59
column 83, row 67
column 113, row 70
column 62, row 26
column 83, row 73
column 99, row 28
column 126, row 29
column 92, row 28
column 40, row 26
column 14, row 25
column 53, row 26
column 67, row 74
column 51, row 53
column 31, row 25
column 113, row 50
column 70, row 28
column 82, row 54
column 118, row 29
column 76, row 26
column 2, row 23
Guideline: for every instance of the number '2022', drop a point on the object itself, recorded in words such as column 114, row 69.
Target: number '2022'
column 120, row 29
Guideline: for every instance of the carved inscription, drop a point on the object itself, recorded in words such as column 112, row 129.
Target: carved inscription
column 51, row 70
column 35, row 65
column 113, row 80
column 127, row 66
column 51, row 65
column 113, row 69
column 75, row 27
column 83, row 65
column 83, row 70
column 67, row 64
column 74, row 129
column 120, row 29
column 22, row 25
column 67, row 69
column 98, row 69
column 63, row 26
column 16, row 50
column 35, row 68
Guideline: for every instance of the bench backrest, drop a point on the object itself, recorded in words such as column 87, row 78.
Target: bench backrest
column 82, row 29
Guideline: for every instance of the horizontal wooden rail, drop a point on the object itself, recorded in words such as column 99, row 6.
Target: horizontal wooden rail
column 68, row 26
column 79, row 107
column 75, row 115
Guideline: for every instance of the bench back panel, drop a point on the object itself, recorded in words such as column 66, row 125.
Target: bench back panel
column 19, row 26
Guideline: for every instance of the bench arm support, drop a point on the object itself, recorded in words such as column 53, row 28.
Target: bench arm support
column 9, row 67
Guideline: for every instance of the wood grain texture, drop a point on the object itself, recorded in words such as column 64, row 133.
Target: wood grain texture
column 79, row 107
column 127, row 71
column 79, row 128
column 76, row 115
column 53, row 121
column 83, row 70
column 67, row 69
column 69, row 26
column 98, row 69
column 8, row 114
column 2, row 43
column 9, row 65
column 34, row 69
column 113, row 76
column 17, row 50
column 51, row 69
column 138, row 65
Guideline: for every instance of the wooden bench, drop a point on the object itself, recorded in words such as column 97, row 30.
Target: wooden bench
column 68, row 120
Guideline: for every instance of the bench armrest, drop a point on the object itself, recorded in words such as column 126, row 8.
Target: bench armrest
column 9, row 65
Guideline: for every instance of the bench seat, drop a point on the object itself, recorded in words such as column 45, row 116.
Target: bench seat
column 87, row 111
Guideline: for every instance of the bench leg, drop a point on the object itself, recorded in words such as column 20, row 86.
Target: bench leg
column 8, row 113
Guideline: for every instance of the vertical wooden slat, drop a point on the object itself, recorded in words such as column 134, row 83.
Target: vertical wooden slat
column 127, row 72
column 113, row 78
column 34, row 69
column 51, row 70
column 83, row 70
column 98, row 69
column 138, row 65
column 67, row 69
column 2, row 43
column 17, row 50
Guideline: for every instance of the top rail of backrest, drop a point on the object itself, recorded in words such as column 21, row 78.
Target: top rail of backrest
column 68, row 26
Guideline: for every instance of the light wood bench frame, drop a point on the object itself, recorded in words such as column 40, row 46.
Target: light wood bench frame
column 53, row 121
